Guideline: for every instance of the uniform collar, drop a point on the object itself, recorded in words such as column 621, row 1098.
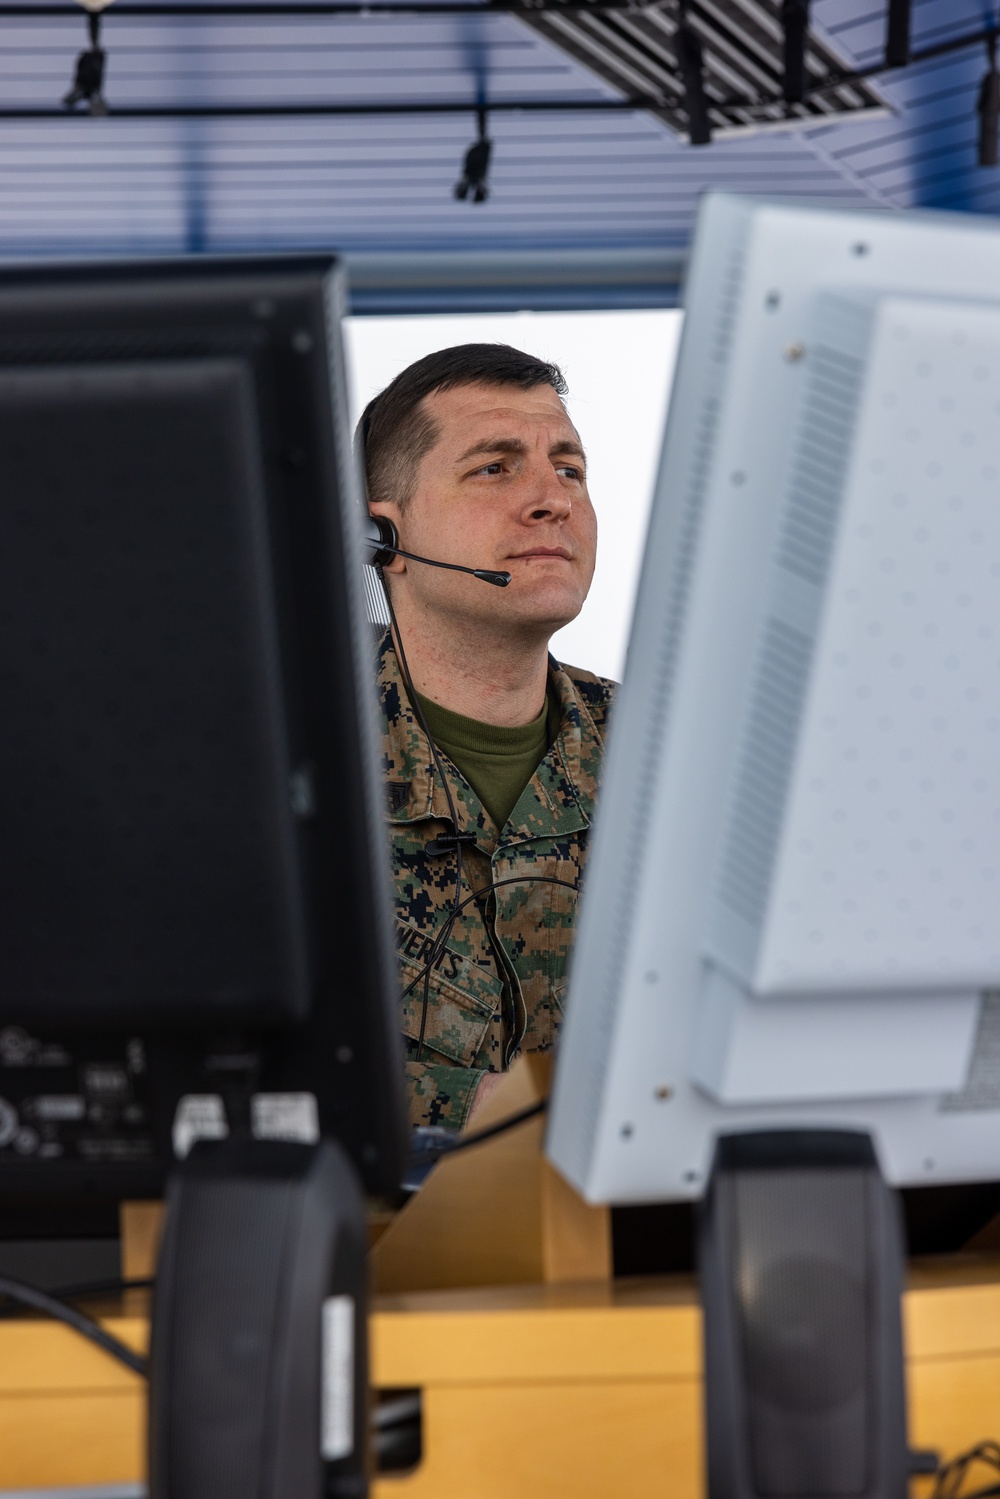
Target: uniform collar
column 567, row 778
column 565, row 782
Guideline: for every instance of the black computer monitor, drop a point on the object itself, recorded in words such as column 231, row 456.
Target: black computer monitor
column 194, row 909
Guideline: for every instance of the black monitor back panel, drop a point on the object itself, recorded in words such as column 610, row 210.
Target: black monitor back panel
column 192, row 885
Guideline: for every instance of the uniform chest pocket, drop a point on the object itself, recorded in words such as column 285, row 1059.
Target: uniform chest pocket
column 463, row 998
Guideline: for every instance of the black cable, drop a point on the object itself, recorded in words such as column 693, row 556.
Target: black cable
column 485, row 890
column 439, row 941
column 515, row 879
column 488, row 912
column 434, row 1143
column 83, row 1289
column 506, row 972
column 951, row 1475
column 415, row 703
column 41, row 1301
column 466, row 1142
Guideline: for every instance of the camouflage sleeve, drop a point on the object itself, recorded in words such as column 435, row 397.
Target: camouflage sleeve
column 441, row 1093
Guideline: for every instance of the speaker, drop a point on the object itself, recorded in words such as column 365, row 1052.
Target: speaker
column 801, row 1262
column 258, row 1360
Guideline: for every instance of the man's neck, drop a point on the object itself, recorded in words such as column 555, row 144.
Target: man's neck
column 496, row 681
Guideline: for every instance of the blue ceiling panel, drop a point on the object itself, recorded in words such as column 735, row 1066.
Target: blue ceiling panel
column 926, row 155
column 561, row 181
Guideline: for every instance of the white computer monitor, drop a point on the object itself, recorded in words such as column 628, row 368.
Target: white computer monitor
column 792, row 911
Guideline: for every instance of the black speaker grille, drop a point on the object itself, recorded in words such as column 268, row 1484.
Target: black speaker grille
column 800, row 1307
column 801, row 1284
column 233, row 1240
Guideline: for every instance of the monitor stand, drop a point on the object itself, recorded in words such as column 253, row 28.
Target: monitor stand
column 801, row 1262
column 258, row 1360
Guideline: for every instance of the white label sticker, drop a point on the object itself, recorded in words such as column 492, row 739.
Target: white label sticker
column 337, row 1417
column 273, row 1116
column 285, row 1116
column 199, row 1116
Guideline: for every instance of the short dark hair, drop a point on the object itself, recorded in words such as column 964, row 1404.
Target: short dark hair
column 396, row 434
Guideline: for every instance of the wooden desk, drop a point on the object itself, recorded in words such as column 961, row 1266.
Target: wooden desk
column 583, row 1390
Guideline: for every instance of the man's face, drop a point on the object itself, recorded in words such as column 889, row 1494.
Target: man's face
column 504, row 487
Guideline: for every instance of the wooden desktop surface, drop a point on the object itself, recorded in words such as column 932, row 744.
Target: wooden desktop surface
column 541, row 1376
column 528, row 1390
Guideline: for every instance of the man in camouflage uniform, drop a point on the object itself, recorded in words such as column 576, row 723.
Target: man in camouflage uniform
column 471, row 454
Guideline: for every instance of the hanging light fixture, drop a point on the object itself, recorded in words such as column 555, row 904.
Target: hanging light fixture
column 88, row 78
column 476, row 165
column 691, row 64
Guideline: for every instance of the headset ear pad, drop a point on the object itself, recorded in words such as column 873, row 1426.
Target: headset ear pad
column 380, row 539
column 377, row 531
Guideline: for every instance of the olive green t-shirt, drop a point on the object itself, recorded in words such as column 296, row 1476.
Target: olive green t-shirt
column 497, row 762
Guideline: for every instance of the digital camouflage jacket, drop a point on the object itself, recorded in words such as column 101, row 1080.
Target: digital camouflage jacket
column 497, row 986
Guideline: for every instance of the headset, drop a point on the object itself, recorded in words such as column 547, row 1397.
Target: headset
column 381, row 542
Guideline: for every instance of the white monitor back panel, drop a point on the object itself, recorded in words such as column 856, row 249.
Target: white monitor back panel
column 877, row 673
column 789, row 916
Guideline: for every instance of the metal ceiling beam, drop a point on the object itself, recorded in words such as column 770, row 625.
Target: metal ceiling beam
column 744, row 110
column 296, row 111
column 742, row 68
column 436, row 269
column 542, row 280
column 919, row 54
column 248, row 9
column 371, row 9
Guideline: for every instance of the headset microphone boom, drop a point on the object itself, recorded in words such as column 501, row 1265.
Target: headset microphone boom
column 381, row 541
